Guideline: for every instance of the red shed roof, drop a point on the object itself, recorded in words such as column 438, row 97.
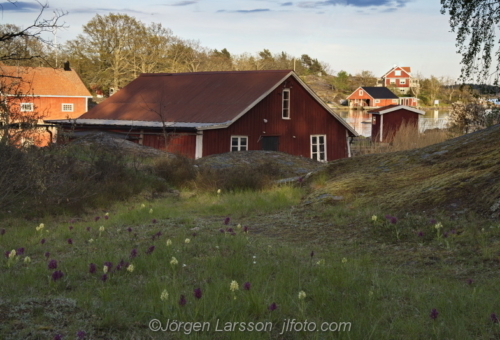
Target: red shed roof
column 42, row 81
column 391, row 108
column 199, row 99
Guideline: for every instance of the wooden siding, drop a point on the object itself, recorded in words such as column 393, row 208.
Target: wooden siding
column 307, row 117
column 391, row 123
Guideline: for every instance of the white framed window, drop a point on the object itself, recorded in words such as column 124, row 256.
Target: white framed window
column 67, row 108
column 27, row 107
column 286, row 104
column 318, row 147
column 395, row 101
column 397, row 72
column 402, row 81
column 392, row 81
column 360, row 92
column 239, row 143
column 377, row 101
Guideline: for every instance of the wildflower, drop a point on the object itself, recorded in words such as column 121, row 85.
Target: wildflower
column 187, row 240
column 97, row 218
column 229, row 230
column 374, row 218
column 2, row 231
column 246, row 286
column 245, row 229
column 52, row 264
column 302, row 295
column 133, row 253
column 312, row 254
column 174, row 261
column 169, row 242
column 42, row 241
column 20, row 251
column 453, row 231
column 182, row 301
column 47, row 255
column 434, row 314
column 7, row 254
column 57, row 275
column 197, row 293
column 104, row 277
column 445, row 234
column 150, row 211
column 88, row 229
column 234, row 286
column 218, row 192
column 58, row 337
column 393, row 220
column 164, row 295
column 27, row 259
column 300, row 179
column 469, row 281
column 70, row 241
column 321, row 262
column 438, row 226
column 221, row 230
column 143, row 206
column 12, row 254
column 432, row 221
column 344, row 260
column 101, row 229
column 105, row 269
column 238, row 226
column 91, row 240
column 70, row 227
column 40, row 227
column 420, row 234
column 370, row 293
column 194, row 234
column 106, row 217
column 92, row 268
column 130, row 268
column 494, row 318
column 388, row 217
column 226, row 220
column 153, row 220
column 81, row 335
column 129, row 229
column 150, row 250
column 272, row 306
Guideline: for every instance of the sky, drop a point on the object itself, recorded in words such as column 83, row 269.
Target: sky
column 349, row 35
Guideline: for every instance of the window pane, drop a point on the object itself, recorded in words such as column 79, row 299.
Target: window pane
column 243, row 142
column 243, row 148
column 322, row 148
column 234, row 141
column 314, row 140
column 314, row 148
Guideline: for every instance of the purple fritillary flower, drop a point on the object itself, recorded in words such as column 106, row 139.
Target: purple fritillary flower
column 109, row 265
column 246, row 286
column 2, row 231
column 153, row 220
column 129, row 229
column 104, row 277
column 7, row 253
column 194, row 234
column 394, row 220
column 182, row 301
column 42, row 241
column 88, row 228
column 272, row 306
column 388, row 217
column 20, row 251
column 494, row 318
column 226, row 220
column 150, row 250
column 420, row 234
column 92, row 268
column 58, row 337
column 106, row 217
column 300, row 179
column 453, row 231
column 57, row 275
column 97, row 218
column 432, row 221
column 72, row 221
column 133, row 253
column 52, row 264
column 233, row 234
column 312, row 254
column 221, row 230
column 70, row 227
column 81, row 335
column 445, row 234
column 469, row 281
column 245, row 229
column 434, row 314
column 47, row 255
column 70, row 241
column 229, row 230
column 197, row 293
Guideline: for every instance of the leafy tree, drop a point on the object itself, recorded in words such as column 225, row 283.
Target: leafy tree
column 475, row 22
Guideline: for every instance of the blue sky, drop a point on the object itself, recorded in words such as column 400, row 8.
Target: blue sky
column 351, row 35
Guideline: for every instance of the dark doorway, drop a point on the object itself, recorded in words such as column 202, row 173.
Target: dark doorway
column 270, row 143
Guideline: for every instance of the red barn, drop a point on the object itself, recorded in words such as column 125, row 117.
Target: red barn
column 43, row 92
column 367, row 97
column 204, row 113
column 386, row 121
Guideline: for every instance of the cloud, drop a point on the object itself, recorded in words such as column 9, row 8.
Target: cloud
column 102, row 9
column 185, row 3
column 287, row 4
column 354, row 3
column 246, row 11
column 20, row 6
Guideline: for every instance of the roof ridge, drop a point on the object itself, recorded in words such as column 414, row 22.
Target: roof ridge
column 210, row 72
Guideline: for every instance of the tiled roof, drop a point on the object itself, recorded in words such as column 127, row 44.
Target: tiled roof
column 380, row 93
column 43, row 81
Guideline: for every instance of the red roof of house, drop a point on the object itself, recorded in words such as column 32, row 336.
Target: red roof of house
column 390, row 108
column 407, row 69
column 43, row 81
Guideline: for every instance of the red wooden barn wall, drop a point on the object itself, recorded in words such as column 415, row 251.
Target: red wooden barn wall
column 307, row 117
column 183, row 143
column 392, row 122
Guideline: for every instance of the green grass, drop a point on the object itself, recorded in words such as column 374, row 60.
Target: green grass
column 362, row 272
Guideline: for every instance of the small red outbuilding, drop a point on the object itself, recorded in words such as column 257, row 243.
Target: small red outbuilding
column 387, row 120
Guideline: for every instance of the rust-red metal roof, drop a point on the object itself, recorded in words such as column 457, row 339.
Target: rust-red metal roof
column 200, row 97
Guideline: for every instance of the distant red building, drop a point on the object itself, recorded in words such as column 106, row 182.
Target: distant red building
column 368, row 97
column 386, row 121
column 207, row 113
column 399, row 78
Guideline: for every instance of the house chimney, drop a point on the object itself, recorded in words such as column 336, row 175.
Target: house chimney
column 66, row 66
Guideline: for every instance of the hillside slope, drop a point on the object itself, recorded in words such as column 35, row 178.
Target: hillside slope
column 459, row 175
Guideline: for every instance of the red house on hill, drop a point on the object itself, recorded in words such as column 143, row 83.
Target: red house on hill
column 367, row 97
column 399, row 78
column 205, row 113
column 386, row 121
column 42, row 93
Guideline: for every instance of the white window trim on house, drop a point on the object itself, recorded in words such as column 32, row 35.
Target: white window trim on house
column 402, row 81
column 395, row 101
column 318, row 154
column 377, row 101
column 239, row 145
column 360, row 92
column 67, row 107
column 397, row 72
column 198, row 152
column 27, row 107
column 285, row 104
column 392, row 81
